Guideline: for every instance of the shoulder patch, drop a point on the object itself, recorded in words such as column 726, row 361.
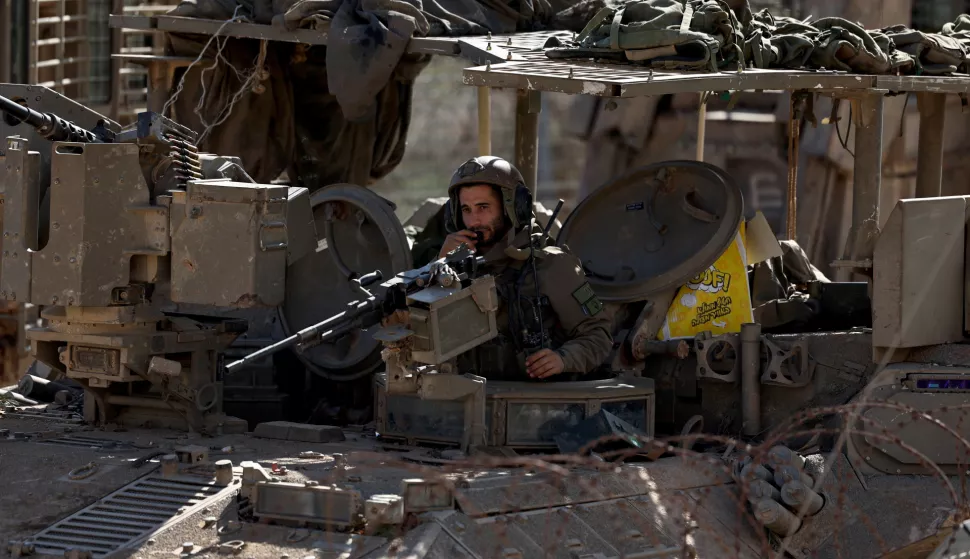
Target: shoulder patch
column 588, row 300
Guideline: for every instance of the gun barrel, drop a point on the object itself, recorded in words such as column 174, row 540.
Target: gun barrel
column 48, row 125
column 357, row 315
column 334, row 326
column 22, row 113
column 260, row 353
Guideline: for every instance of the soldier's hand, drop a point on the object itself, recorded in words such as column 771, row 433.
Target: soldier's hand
column 401, row 317
column 454, row 240
column 544, row 363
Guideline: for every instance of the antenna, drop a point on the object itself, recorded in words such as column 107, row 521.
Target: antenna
column 535, row 275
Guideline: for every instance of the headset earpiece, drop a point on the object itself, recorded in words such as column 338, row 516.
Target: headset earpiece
column 451, row 223
column 522, row 205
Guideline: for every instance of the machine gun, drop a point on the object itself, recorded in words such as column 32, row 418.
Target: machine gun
column 454, row 271
column 171, row 159
column 451, row 311
column 52, row 127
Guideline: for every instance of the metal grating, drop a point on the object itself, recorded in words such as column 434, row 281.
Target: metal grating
column 573, row 76
column 499, row 49
column 656, row 524
column 607, row 73
column 132, row 512
column 631, row 80
column 521, row 42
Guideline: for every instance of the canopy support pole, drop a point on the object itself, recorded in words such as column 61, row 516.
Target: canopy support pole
column 797, row 106
column 701, row 125
column 866, row 183
column 484, row 120
column 528, row 104
column 929, row 162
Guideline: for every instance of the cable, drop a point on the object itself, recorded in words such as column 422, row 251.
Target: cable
column 141, row 461
column 838, row 132
column 181, row 85
column 83, row 472
column 535, row 279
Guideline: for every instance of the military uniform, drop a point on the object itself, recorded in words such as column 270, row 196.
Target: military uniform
column 574, row 322
column 576, row 325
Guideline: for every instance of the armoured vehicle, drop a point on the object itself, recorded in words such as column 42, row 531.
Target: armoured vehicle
column 843, row 436
column 136, row 302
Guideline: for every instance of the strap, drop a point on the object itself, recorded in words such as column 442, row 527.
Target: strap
column 599, row 18
column 691, row 208
column 688, row 16
column 615, row 29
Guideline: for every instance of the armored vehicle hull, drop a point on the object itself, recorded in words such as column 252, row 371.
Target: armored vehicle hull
column 360, row 497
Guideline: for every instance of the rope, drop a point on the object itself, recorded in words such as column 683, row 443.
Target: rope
column 83, row 472
column 250, row 80
column 251, row 83
column 178, row 90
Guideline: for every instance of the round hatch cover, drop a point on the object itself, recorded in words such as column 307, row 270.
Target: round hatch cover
column 654, row 228
column 368, row 236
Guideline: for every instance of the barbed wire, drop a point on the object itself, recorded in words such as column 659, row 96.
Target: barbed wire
column 689, row 495
column 728, row 498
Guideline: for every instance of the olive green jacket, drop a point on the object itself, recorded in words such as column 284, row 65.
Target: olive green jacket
column 578, row 325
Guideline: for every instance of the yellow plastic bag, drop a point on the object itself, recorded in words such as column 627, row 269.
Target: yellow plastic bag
column 717, row 300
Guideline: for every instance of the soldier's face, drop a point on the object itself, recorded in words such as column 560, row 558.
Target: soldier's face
column 481, row 210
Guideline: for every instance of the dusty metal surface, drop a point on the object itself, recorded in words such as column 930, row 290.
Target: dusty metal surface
column 248, row 266
column 112, row 227
column 919, row 268
column 518, row 415
column 683, row 214
column 115, row 197
column 504, row 507
column 840, row 366
column 41, row 491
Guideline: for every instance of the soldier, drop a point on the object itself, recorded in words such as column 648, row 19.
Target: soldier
column 490, row 209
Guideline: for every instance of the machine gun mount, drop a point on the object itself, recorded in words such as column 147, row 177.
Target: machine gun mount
column 139, row 223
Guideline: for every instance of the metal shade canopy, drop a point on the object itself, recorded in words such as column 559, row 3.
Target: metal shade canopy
column 368, row 236
column 654, row 228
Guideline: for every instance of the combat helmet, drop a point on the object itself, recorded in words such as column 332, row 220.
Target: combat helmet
column 495, row 171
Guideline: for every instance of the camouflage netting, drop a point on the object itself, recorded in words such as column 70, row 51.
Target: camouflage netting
column 338, row 113
column 707, row 35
